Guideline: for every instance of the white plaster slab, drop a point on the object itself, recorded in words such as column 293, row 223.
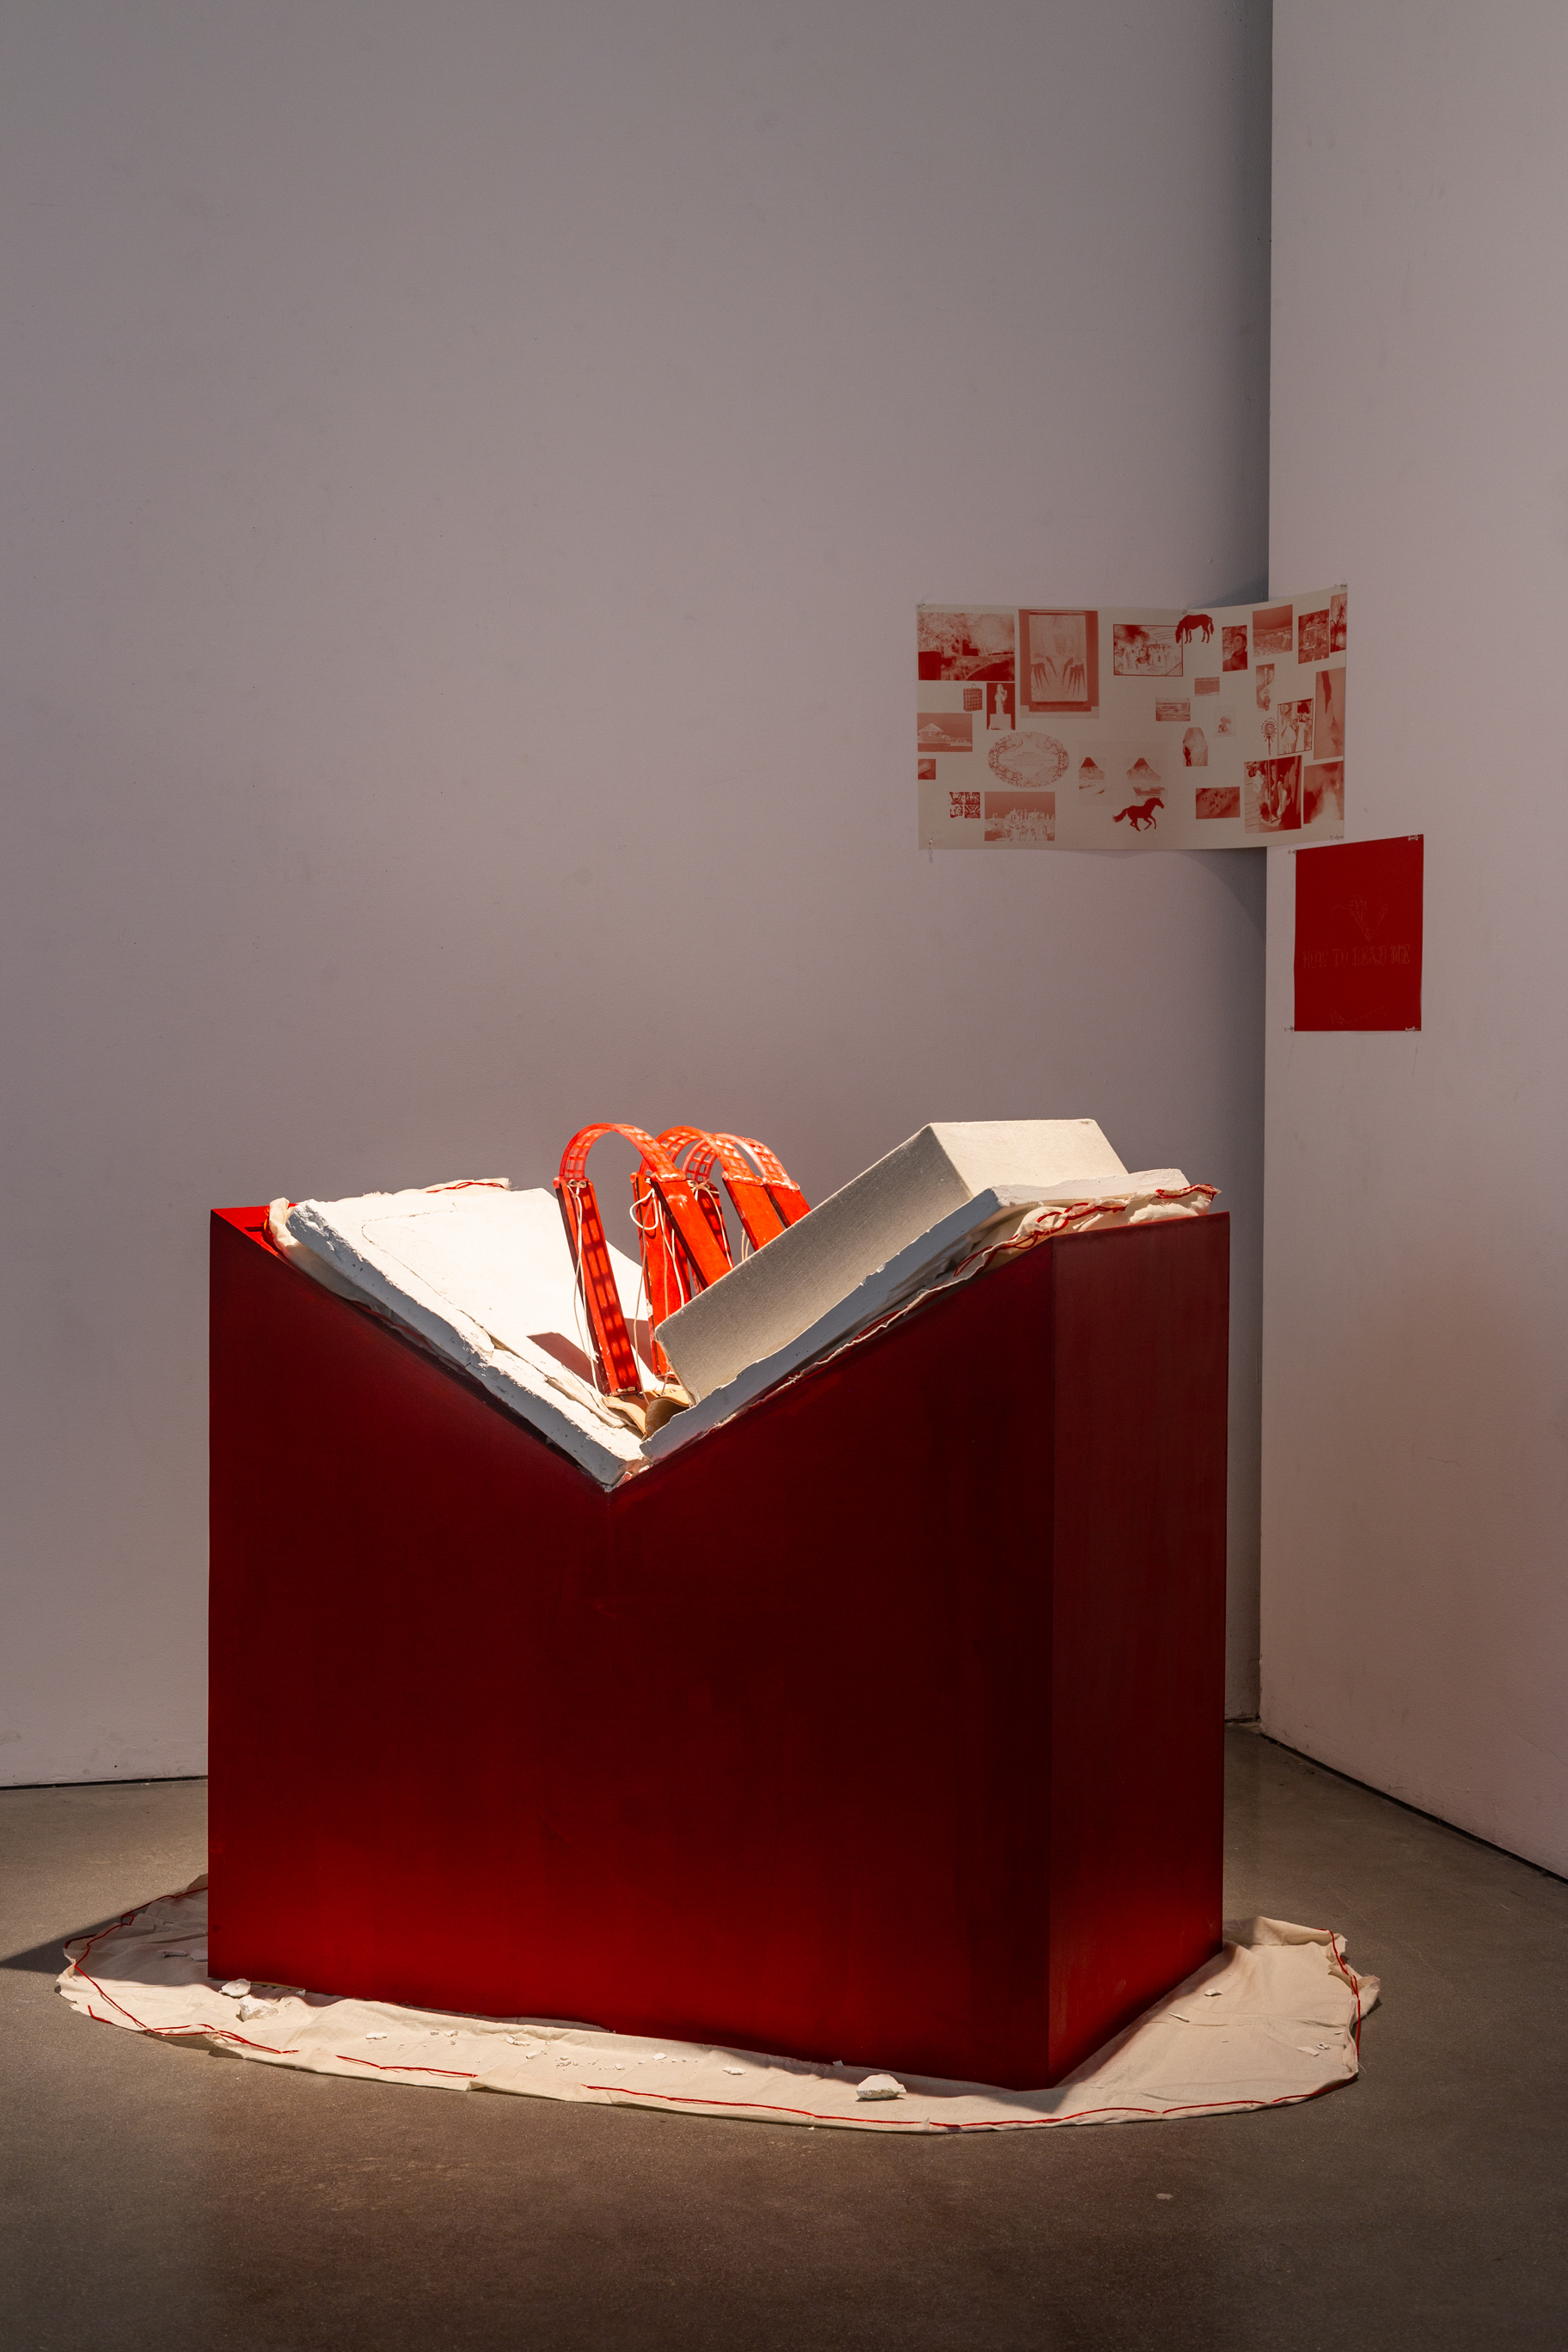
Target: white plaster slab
column 991, row 1216
column 785, row 1290
column 485, row 1276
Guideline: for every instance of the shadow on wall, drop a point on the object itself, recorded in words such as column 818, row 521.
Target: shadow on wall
column 1436, row 1404
column 1245, row 874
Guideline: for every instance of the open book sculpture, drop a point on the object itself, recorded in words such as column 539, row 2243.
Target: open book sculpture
column 874, row 1712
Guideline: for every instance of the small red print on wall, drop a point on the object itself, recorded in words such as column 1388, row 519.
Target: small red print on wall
column 1358, row 935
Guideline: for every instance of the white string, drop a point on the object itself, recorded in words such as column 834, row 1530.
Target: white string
column 644, row 1233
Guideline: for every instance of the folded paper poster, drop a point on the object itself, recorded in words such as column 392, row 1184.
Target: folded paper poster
column 1068, row 728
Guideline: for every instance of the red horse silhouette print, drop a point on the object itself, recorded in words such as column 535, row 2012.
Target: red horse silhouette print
column 1191, row 625
column 1141, row 815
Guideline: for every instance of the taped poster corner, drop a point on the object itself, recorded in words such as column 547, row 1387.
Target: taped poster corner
column 1062, row 726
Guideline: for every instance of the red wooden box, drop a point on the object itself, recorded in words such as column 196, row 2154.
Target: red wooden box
column 881, row 1724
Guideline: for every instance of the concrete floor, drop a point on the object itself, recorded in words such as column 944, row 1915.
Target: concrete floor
column 157, row 2199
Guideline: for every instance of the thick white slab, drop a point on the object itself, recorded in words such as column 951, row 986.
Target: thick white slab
column 485, row 1276
column 786, row 1289
column 989, row 1218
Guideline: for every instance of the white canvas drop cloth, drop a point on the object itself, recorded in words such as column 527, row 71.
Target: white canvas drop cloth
column 1274, row 2019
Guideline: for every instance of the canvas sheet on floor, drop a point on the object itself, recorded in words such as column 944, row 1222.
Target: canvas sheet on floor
column 1273, row 2019
column 1066, row 728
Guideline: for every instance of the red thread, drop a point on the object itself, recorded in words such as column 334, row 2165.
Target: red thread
column 154, row 2033
column 1017, row 2123
column 163, row 2032
column 757, row 2106
column 1354, row 1983
column 458, row 2072
column 753, row 2107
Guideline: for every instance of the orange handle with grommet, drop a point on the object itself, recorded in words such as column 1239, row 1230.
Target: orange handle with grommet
column 680, row 1225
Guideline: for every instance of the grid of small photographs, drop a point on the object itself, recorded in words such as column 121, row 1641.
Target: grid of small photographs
column 1056, row 727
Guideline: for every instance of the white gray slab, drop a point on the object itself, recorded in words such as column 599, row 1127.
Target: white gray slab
column 991, row 1216
column 786, row 1289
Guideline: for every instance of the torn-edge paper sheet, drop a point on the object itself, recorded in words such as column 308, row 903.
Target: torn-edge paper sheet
column 1273, row 2019
column 979, row 1234
column 777, row 1293
column 484, row 1275
column 1073, row 727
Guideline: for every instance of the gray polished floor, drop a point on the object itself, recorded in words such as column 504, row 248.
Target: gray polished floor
column 157, row 2198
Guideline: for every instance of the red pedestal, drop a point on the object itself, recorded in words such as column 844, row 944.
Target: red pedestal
column 883, row 1723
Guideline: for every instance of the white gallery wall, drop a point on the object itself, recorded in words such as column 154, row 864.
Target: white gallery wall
column 468, row 471
column 1415, row 1492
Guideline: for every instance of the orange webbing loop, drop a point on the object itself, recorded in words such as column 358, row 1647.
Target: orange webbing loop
column 681, row 1248
column 760, row 1220
column 680, row 1222
column 612, row 1346
column 765, row 1208
column 677, row 1141
column 668, row 1271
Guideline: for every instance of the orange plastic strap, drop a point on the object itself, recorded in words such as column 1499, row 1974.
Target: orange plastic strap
column 612, row 1345
column 677, row 1141
column 680, row 1247
column 765, row 1207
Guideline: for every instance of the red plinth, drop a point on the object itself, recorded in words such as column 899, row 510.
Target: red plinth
column 883, row 1723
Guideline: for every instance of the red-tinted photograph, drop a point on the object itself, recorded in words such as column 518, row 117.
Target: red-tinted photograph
column 946, row 730
column 1021, row 817
column 1323, row 792
column 1028, row 763
column 1337, row 623
column 1234, row 641
column 1179, row 711
column 1206, row 686
column 1273, row 630
column 1145, row 651
column 928, row 772
column 965, row 644
column 1293, row 727
column 1058, row 665
column 1272, row 800
column 1000, row 707
column 1328, row 716
column 1195, row 748
column 1313, row 637
column 1218, row 799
